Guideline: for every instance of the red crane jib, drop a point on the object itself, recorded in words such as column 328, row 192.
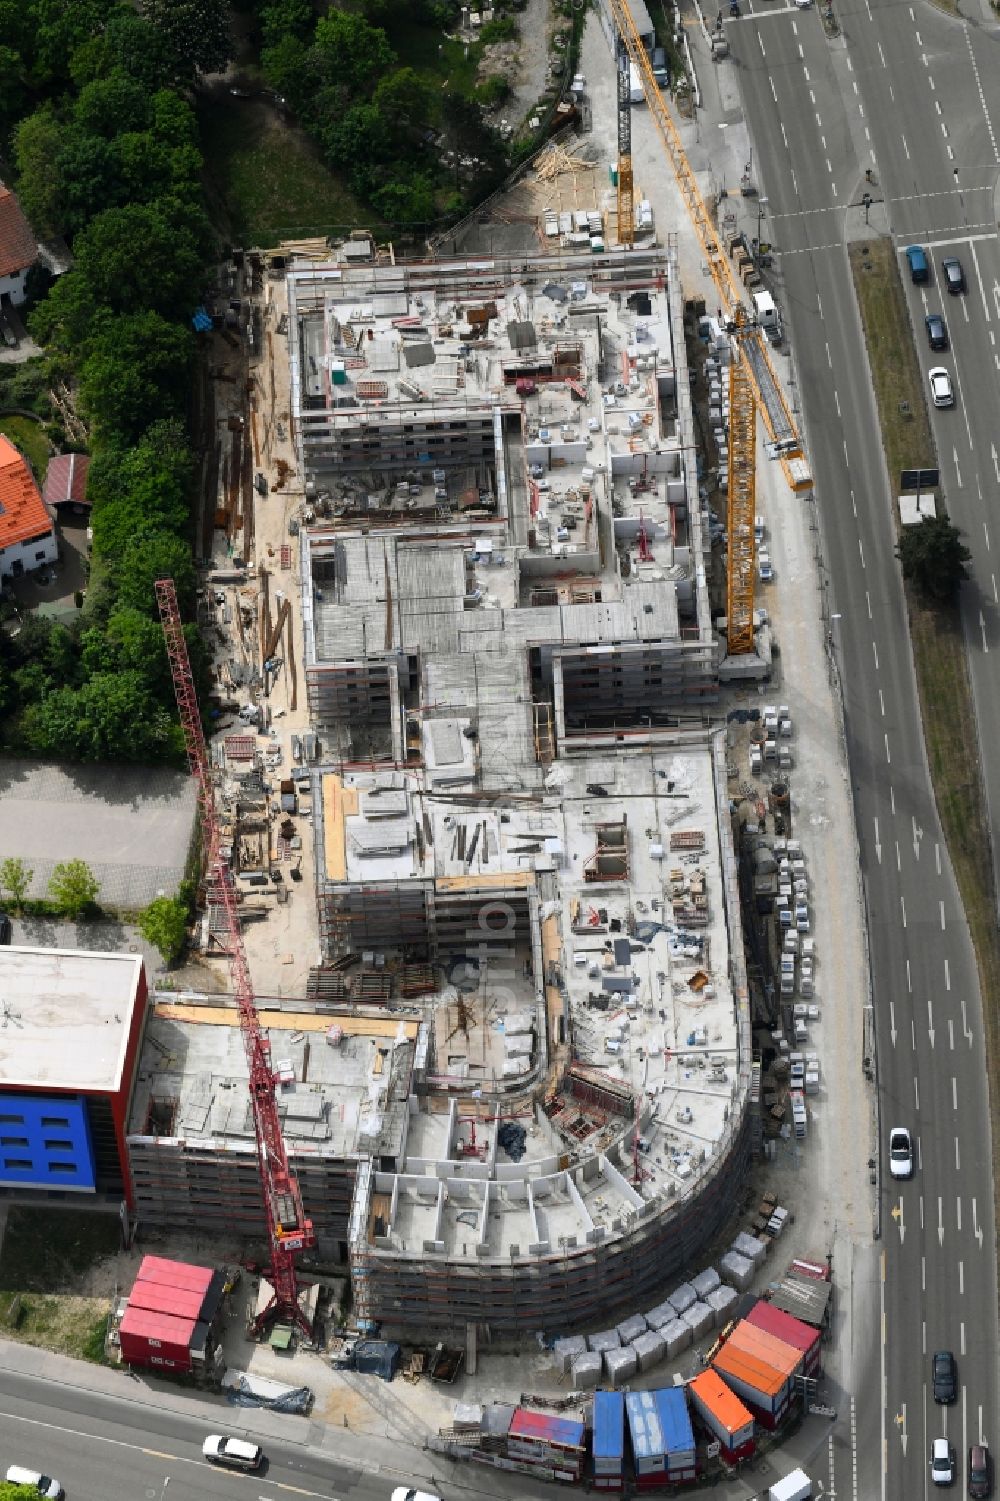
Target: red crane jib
column 288, row 1229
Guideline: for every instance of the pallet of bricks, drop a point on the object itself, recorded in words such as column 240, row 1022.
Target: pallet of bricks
column 556, row 1444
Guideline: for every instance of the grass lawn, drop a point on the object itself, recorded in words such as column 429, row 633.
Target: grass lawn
column 936, row 634
column 44, row 1250
column 268, row 178
column 30, row 438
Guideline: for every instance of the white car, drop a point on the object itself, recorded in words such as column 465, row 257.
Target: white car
column 235, row 1453
column 764, row 568
column 941, row 392
column 43, row 1484
column 900, row 1153
column 407, row 1493
column 942, row 1462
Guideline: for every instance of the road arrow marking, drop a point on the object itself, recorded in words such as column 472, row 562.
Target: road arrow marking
column 977, row 1229
column 965, row 1025
column 897, row 1214
column 901, row 1425
column 958, row 472
column 940, row 1224
column 996, row 462
column 892, row 1023
column 878, row 844
column 918, row 835
column 930, row 1021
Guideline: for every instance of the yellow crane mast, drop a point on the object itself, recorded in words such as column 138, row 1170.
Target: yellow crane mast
column 626, row 207
column 752, row 376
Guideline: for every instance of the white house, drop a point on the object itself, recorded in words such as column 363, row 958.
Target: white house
column 27, row 531
column 18, row 249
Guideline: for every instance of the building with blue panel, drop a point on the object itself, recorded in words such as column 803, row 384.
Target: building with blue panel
column 45, row 1142
column 609, row 1440
column 678, row 1435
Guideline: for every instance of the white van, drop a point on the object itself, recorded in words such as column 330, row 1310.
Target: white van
column 43, row 1484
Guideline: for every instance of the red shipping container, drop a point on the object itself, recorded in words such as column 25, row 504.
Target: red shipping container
column 791, row 1330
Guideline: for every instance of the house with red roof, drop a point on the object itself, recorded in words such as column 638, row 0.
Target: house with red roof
column 27, row 530
column 18, row 249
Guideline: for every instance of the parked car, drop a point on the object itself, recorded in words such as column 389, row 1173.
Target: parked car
column 944, row 1378
column 942, row 1462
column 404, row 1493
column 919, row 269
column 937, row 333
column 980, row 1473
column 34, row 1480
column 6, row 931
column 954, row 276
column 764, row 568
column 941, row 391
column 900, row 1153
column 234, row 1453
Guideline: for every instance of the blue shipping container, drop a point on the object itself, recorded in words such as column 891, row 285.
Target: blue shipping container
column 645, row 1431
column 678, row 1436
column 609, row 1425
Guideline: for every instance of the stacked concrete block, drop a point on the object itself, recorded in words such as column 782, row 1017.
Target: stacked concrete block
column 682, row 1297
column 650, row 1349
column 630, row 1329
column 607, row 1339
column 749, row 1246
column 620, row 1365
column 661, row 1315
column 723, row 1303
column 699, row 1319
column 737, row 1270
column 676, row 1336
column 586, row 1371
column 566, row 1350
column 706, row 1282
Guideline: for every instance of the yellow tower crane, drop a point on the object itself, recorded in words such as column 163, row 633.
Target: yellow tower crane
column 753, row 382
column 626, row 208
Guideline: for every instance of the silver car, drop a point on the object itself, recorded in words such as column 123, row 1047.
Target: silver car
column 900, row 1152
column 941, row 392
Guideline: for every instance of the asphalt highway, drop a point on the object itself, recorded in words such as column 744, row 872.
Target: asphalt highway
column 901, row 90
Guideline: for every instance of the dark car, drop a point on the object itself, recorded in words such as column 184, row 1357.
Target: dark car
column 918, row 263
column 954, row 276
column 937, row 334
column 943, row 1378
column 980, row 1473
column 6, row 931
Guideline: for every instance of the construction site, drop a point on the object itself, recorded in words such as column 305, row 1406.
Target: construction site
column 498, row 850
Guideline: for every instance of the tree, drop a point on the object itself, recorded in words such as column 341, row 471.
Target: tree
column 13, row 89
column 197, row 32
column 287, row 18
column 16, row 878
column 139, row 257
column 407, row 203
column 164, row 924
column 404, row 101
column 136, row 371
column 109, row 106
column 74, row 888
column 151, row 556
column 349, row 50
column 934, row 558
column 36, row 146
column 59, row 28
column 111, row 717
column 128, row 43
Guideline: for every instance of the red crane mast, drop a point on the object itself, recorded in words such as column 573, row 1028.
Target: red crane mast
column 288, row 1229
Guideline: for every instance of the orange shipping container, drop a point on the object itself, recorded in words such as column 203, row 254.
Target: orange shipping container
column 722, row 1412
column 769, row 1347
column 754, row 1380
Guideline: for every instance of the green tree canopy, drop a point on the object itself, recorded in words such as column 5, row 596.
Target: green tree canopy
column 110, row 105
column 37, row 141
column 111, row 717
column 139, row 257
column 136, row 371
column 164, row 924
column 934, row 556
column 197, row 31
column 128, row 43
column 348, row 49
column 73, row 887
column 16, row 877
column 151, row 556
column 404, row 100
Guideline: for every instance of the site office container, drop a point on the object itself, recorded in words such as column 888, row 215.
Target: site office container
column 793, row 1331
column 723, row 1415
column 609, row 1441
column 156, row 1339
column 765, row 1391
column 678, row 1435
column 646, row 1434
column 776, row 1352
column 540, row 1438
column 810, row 1266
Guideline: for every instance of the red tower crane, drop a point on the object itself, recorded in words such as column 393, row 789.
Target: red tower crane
column 288, row 1229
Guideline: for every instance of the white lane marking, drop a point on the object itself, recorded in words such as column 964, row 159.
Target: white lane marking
column 961, row 1278
column 916, row 1093
column 829, row 357
column 979, row 278
column 954, row 1093
column 902, row 903
column 937, row 857
column 961, row 1342
column 940, row 1222
column 905, row 147
column 941, row 910
column 774, row 91
column 958, row 1157
column 930, row 80
column 836, row 402
column 875, row 650
column 881, row 53
column 887, row 755
column 868, row 598
column 783, row 135
column 862, row 552
column 899, row 858
column 947, row 975
column 982, row 627
column 930, row 1021
column 982, row 96
column 909, row 979
column 951, row 1042
column 881, row 704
